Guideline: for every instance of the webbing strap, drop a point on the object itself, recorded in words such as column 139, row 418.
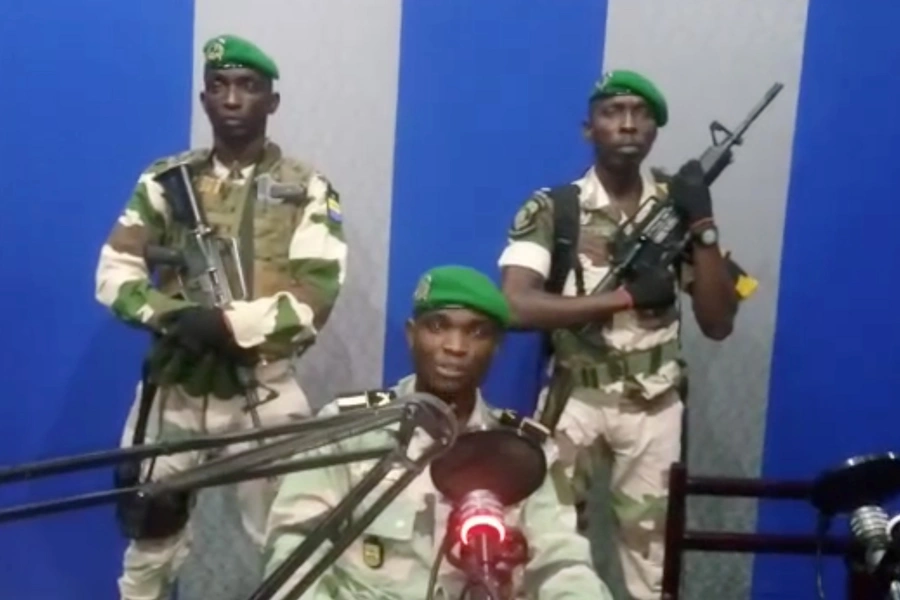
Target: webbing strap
column 618, row 367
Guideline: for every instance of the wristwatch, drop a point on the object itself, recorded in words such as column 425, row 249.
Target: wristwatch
column 707, row 236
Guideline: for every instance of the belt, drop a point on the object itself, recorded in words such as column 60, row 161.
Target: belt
column 617, row 367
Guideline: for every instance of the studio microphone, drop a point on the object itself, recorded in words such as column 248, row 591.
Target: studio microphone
column 879, row 535
column 869, row 525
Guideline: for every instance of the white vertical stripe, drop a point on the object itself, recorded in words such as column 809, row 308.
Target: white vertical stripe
column 339, row 68
column 713, row 60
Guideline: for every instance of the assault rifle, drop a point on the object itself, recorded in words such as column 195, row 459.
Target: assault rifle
column 656, row 236
column 209, row 266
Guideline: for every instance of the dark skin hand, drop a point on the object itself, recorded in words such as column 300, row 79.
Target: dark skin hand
column 238, row 103
column 622, row 130
column 452, row 350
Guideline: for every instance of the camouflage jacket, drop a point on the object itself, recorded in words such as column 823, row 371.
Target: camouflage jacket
column 296, row 249
column 392, row 559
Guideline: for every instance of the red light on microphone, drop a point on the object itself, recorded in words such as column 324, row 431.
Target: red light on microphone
column 482, row 524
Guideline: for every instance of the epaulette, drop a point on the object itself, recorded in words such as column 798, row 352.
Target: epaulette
column 526, row 425
column 364, row 399
column 187, row 157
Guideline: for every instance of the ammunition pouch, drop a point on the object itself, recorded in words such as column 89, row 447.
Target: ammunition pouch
column 141, row 517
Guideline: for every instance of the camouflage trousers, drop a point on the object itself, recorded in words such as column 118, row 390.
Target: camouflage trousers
column 151, row 566
column 641, row 439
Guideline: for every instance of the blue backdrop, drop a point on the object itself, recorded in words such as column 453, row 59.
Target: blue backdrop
column 88, row 102
column 473, row 125
column 835, row 374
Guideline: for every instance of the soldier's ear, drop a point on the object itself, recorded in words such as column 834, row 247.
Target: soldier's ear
column 274, row 102
column 586, row 130
column 410, row 332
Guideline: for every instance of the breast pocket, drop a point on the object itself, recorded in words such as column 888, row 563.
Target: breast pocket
column 386, row 548
column 273, row 228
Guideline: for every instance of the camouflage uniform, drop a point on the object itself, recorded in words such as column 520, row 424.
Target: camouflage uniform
column 409, row 533
column 294, row 254
column 622, row 388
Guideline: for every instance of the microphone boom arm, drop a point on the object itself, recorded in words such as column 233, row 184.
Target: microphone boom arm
column 331, row 526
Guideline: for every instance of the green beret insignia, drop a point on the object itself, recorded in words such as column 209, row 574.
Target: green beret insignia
column 231, row 51
column 214, row 50
column 454, row 286
column 622, row 82
column 422, row 288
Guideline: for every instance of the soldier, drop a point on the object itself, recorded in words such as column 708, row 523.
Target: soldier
column 616, row 396
column 458, row 320
column 287, row 218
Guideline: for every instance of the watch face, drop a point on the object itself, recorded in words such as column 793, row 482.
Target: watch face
column 710, row 236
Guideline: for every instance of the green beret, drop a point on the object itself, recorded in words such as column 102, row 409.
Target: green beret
column 618, row 83
column 230, row 51
column 456, row 286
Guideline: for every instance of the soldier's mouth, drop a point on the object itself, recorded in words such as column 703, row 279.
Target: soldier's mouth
column 449, row 372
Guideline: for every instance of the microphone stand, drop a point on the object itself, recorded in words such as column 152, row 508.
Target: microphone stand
column 411, row 412
column 338, row 524
column 320, row 431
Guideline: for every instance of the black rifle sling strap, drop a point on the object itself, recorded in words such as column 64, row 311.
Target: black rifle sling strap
column 566, row 223
column 148, row 392
column 564, row 256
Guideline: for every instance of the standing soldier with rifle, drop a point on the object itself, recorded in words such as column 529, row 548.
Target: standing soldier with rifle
column 232, row 257
column 601, row 277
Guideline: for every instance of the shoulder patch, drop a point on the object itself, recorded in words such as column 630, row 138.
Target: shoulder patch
column 525, row 220
column 333, row 205
column 526, row 425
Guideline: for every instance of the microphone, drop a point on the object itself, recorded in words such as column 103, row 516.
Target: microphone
column 869, row 525
column 880, row 537
column 481, row 522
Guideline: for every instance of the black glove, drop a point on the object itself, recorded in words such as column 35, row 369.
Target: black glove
column 690, row 194
column 202, row 330
column 652, row 288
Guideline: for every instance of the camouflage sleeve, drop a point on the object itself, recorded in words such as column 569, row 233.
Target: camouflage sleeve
column 302, row 500
column 530, row 239
column 560, row 566
column 122, row 279
column 317, row 264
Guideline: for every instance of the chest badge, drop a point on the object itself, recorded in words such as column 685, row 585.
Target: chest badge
column 372, row 552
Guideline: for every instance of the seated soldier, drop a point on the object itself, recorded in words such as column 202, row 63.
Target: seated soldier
column 458, row 322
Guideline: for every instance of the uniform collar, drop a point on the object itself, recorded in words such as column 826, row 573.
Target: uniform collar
column 593, row 195
column 271, row 154
column 481, row 413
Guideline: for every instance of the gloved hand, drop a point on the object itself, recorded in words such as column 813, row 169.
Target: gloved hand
column 690, row 194
column 650, row 289
column 202, row 330
column 198, row 328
